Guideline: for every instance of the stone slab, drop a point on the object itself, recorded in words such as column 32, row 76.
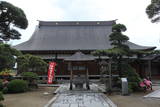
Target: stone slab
column 82, row 100
column 155, row 94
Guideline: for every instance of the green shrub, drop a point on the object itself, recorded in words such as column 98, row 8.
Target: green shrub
column 30, row 75
column 132, row 77
column 31, row 78
column 1, row 105
column 1, row 85
column 17, row 86
column 1, row 99
column 1, row 96
column 5, row 90
column 130, row 88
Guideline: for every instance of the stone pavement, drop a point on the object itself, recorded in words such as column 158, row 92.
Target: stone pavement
column 80, row 98
column 64, row 88
column 155, row 94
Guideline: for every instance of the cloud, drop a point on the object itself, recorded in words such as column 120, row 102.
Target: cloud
column 36, row 10
column 128, row 12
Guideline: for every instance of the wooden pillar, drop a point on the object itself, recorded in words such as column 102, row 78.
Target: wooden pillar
column 71, row 75
column 99, row 66
column 150, row 68
column 56, row 57
column 55, row 60
column 110, row 75
column 87, row 78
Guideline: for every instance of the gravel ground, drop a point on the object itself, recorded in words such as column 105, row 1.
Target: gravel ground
column 35, row 98
column 135, row 100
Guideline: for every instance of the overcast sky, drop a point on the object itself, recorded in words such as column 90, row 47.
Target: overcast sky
column 129, row 12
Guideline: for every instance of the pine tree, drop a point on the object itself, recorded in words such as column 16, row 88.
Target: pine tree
column 118, row 41
column 11, row 18
column 153, row 10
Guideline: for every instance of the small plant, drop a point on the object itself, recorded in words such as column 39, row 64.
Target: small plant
column 6, row 72
column 17, row 86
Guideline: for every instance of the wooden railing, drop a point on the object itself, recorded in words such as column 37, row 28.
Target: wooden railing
column 60, row 78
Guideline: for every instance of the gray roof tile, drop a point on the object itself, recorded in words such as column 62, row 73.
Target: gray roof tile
column 73, row 35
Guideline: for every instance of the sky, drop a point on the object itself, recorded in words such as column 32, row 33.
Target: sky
column 131, row 13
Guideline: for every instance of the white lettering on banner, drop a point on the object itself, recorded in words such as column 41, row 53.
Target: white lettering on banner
column 51, row 72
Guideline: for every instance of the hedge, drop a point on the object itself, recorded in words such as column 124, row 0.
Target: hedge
column 17, row 86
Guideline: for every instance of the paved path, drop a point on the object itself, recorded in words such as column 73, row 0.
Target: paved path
column 64, row 88
column 83, row 98
column 155, row 94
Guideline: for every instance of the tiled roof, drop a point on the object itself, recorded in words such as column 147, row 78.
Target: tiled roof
column 72, row 35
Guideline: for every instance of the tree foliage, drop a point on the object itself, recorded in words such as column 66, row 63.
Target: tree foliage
column 155, row 52
column 110, row 52
column 30, row 75
column 11, row 17
column 120, row 48
column 153, row 10
column 31, row 78
column 118, row 41
column 30, row 63
column 7, row 56
column 132, row 77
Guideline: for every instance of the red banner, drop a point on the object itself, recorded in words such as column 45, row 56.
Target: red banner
column 51, row 72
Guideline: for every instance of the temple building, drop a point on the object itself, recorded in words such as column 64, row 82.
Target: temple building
column 55, row 41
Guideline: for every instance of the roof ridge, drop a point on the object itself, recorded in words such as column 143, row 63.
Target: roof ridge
column 75, row 23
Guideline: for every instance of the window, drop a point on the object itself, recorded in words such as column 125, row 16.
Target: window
column 82, row 68
column 75, row 68
column 78, row 68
